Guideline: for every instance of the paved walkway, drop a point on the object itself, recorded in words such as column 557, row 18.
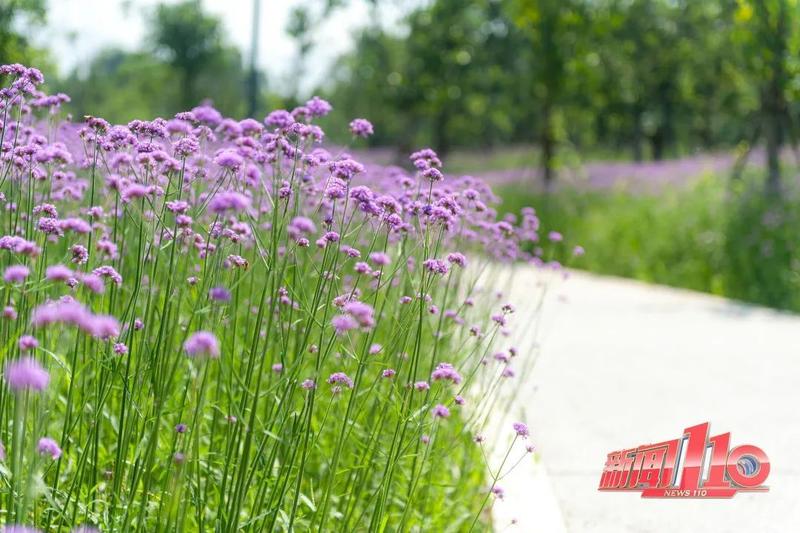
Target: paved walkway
column 624, row 363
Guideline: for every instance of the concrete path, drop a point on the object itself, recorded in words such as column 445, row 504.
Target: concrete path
column 624, row 363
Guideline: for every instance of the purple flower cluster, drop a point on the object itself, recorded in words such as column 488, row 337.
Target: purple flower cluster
column 361, row 127
column 26, row 374
column 69, row 311
column 202, row 343
column 446, row 372
column 166, row 238
column 356, row 315
column 340, row 378
column 16, row 274
column 48, row 446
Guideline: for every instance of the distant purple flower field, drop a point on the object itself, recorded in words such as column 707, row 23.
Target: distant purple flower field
column 645, row 176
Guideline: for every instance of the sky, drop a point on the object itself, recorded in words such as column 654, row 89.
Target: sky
column 78, row 29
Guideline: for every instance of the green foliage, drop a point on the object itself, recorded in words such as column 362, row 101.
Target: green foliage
column 15, row 46
column 761, row 248
column 186, row 60
column 189, row 38
column 368, row 83
column 653, row 78
column 117, row 80
column 713, row 237
column 446, row 83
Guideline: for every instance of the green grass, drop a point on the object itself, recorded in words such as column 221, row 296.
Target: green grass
column 713, row 236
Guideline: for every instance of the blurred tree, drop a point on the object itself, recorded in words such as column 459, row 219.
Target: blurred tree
column 367, row 83
column 304, row 20
column 190, row 39
column 15, row 46
column 657, row 77
column 554, row 29
column 441, row 76
column 253, row 74
column 639, row 44
column 768, row 35
column 300, row 27
column 120, row 85
column 452, row 80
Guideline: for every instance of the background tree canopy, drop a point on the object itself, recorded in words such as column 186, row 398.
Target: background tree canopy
column 640, row 79
column 185, row 59
column 643, row 78
column 15, row 16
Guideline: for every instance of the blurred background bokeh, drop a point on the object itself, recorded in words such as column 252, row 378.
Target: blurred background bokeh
column 662, row 135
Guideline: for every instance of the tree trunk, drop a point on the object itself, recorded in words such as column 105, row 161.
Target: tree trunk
column 772, row 102
column 741, row 160
column 548, row 151
column 772, row 106
column 663, row 133
column 772, row 135
column 252, row 81
column 548, row 147
column 441, row 139
column 187, row 84
column 637, row 133
column 657, row 144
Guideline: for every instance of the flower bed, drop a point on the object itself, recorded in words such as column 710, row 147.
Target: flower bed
column 214, row 324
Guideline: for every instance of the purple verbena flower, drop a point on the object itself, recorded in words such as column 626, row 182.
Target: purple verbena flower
column 340, row 378
column 27, row 343
column 229, row 159
column 456, row 258
column 16, row 274
column 18, row 528
column 202, row 343
column 379, row 258
column 362, row 313
column 79, row 254
column 280, row 118
column 228, row 201
column 445, row 371
column 361, row 127
column 48, row 446
column 521, row 429
column 108, row 271
column 219, row 294
column 58, row 273
column 318, row 107
column 26, row 374
column 440, row 411
column 343, row 323
column 435, row 266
